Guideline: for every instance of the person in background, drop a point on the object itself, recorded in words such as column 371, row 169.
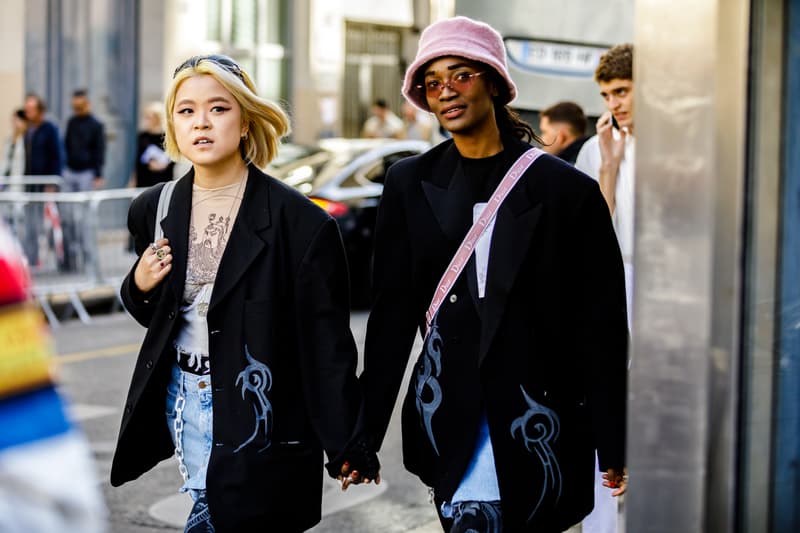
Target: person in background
column 522, row 375
column 563, row 127
column 44, row 156
column 44, row 153
column 152, row 164
column 14, row 152
column 417, row 125
column 383, row 123
column 47, row 477
column 85, row 146
column 246, row 406
column 608, row 157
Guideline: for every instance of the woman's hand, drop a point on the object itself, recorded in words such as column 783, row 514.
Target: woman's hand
column 154, row 265
column 353, row 477
column 614, row 479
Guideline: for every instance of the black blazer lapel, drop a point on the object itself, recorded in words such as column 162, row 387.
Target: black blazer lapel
column 176, row 229
column 246, row 241
column 514, row 227
column 449, row 196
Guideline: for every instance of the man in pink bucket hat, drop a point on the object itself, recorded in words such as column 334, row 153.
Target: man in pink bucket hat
column 504, row 259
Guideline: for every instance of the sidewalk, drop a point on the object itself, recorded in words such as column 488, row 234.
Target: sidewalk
column 174, row 509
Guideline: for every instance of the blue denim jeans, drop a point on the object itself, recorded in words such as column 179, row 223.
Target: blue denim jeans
column 190, row 417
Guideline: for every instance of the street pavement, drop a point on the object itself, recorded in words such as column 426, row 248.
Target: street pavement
column 96, row 363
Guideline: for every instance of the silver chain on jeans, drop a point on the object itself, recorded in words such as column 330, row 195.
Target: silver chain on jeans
column 177, row 425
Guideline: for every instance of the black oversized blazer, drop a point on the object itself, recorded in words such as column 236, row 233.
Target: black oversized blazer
column 279, row 342
column 543, row 354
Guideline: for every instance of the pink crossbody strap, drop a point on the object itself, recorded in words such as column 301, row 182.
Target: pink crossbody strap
column 468, row 244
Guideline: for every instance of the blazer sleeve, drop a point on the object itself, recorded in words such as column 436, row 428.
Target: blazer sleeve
column 327, row 350
column 606, row 351
column 393, row 320
column 141, row 220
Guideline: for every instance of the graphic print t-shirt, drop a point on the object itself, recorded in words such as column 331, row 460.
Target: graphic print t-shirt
column 214, row 212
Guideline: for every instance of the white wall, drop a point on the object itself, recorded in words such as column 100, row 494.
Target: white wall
column 588, row 22
column 12, row 62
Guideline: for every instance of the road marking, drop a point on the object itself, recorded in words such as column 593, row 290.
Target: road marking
column 111, row 351
column 80, row 412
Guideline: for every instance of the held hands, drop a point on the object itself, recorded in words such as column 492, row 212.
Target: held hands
column 350, row 476
column 153, row 266
column 361, row 466
column 614, row 479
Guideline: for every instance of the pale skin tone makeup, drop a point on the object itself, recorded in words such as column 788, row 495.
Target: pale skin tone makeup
column 466, row 112
column 618, row 97
column 208, row 128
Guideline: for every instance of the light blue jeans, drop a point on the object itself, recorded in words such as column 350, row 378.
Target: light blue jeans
column 190, row 417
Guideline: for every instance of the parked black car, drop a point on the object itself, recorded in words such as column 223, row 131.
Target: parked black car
column 345, row 178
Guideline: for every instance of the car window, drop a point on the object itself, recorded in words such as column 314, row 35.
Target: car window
column 375, row 172
column 334, row 166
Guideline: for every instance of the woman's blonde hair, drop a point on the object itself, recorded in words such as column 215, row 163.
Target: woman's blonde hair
column 157, row 109
column 264, row 121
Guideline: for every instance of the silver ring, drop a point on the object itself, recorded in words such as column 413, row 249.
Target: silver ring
column 154, row 247
column 161, row 253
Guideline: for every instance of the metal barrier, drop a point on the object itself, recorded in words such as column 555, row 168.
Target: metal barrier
column 19, row 183
column 75, row 242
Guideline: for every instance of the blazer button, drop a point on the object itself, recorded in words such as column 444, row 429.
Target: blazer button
column 149, row 365
column 453, row 298
column 171, row 315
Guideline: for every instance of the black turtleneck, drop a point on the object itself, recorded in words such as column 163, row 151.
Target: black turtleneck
column 484, row 174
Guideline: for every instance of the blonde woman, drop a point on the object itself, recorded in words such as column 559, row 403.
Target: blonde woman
column 247, row 371
column 152, row 164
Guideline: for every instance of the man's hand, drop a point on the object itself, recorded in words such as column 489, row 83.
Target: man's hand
column 611, row 153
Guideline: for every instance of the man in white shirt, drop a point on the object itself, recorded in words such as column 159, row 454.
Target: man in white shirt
column 608, row 157
column 383, row 123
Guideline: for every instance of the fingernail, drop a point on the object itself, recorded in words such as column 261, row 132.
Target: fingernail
column 161, row 263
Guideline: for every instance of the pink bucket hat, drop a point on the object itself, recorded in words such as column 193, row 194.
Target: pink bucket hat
column 461, row 37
